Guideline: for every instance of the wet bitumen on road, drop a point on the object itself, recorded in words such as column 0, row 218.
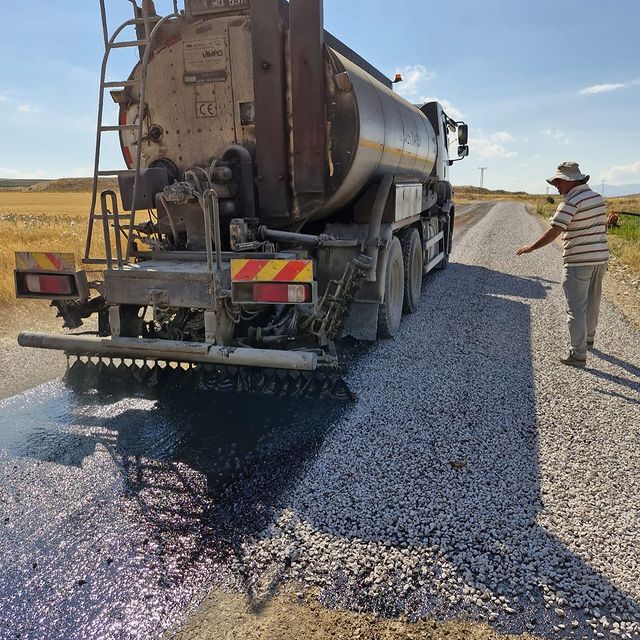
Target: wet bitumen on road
column 117, row 513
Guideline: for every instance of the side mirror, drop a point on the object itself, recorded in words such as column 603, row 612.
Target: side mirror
column 463, row 151
column 463, row 135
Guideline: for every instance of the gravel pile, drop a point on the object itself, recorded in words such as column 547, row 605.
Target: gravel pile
column 475, row 477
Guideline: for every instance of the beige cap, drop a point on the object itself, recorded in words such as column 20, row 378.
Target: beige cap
column 569, row 171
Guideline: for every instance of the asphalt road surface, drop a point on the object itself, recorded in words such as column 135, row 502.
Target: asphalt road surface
column 473, row 477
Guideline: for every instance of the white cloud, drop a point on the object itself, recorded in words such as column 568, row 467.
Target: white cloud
column 492, row 145
column 414, row 79
column 502, row 136
column 601, row 88
column 28, row 108
column 607, row 87
column 3, row 98
column 622, row 173
column 557, row 135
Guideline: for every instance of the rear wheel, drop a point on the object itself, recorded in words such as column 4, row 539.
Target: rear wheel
column 413, row 268
column 390, row 311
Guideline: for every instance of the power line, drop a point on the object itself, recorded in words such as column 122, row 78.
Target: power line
column 482, row 170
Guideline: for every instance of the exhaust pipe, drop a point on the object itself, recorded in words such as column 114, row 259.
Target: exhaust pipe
column 171, row 351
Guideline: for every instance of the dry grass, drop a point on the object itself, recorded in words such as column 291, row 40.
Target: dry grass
column 467, row 194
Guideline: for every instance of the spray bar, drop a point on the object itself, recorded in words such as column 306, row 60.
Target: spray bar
column 172, row 351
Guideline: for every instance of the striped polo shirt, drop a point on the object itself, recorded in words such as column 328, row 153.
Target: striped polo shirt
column 582, row 217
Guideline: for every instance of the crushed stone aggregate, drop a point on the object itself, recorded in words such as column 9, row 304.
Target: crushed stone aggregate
column 476, row 477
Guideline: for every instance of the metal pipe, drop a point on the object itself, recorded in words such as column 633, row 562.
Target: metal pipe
column 211, row 199
column 171, row 351
column 246, row 177
column 105, row 228
column 204, row 203
column 373, row 238
column 172, row 223
column 115, row 214
column 216, row 230
column 288, row 238
column 105, row 28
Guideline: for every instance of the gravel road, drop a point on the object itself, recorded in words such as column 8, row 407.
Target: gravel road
column 474, row 478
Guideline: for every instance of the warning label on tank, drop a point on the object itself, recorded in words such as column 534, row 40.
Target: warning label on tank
column 205, row 60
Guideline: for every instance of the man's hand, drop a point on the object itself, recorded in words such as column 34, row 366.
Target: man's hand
column 546, row 239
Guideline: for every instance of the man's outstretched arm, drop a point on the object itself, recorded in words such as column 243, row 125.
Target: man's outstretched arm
column 546, row 239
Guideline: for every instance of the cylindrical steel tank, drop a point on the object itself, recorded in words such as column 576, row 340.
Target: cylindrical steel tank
column 374, row 133
column 200, row 100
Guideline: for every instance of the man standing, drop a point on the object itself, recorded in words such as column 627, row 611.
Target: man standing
column 582, row 220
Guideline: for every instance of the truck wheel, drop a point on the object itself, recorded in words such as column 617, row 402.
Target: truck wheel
column 413, row 268
column 390, row 311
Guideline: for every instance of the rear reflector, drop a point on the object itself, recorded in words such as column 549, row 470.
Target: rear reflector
column 281, row 292
column 62, row 285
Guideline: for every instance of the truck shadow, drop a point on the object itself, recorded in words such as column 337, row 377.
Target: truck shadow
column 206, row 477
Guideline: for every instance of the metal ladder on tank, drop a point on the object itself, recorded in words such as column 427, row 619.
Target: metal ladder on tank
column 105, row 215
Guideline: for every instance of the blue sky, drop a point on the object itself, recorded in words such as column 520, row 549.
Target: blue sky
column 538, row 82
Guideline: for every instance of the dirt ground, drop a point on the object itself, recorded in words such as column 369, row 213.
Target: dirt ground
column 287, row 617
column 22, row 369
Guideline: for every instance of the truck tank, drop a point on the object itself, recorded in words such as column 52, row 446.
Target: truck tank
column 202, row 97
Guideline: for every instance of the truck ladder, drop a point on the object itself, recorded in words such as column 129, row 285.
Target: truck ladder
column 150, row 24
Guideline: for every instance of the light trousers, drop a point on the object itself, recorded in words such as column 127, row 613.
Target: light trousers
column 583, row 290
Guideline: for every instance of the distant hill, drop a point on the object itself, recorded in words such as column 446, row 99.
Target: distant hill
column 11, row 183
column 468, row 191
column 615, row 192
column 63, row 185
column 73, row 185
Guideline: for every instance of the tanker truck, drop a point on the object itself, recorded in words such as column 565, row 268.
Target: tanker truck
column 278, row 195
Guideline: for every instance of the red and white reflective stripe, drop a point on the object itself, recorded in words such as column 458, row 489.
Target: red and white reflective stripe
column 56, row 285
column 278, row 292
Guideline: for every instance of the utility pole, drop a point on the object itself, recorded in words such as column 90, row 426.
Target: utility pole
column 603, row 188
column 482, row 170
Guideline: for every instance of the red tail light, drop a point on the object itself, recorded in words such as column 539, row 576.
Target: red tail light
column 281, row 292
column 58, row 285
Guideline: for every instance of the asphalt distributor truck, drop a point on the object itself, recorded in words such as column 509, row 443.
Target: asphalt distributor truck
column 278, row 195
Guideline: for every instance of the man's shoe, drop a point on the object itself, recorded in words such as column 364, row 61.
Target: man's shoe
column 572, row 361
